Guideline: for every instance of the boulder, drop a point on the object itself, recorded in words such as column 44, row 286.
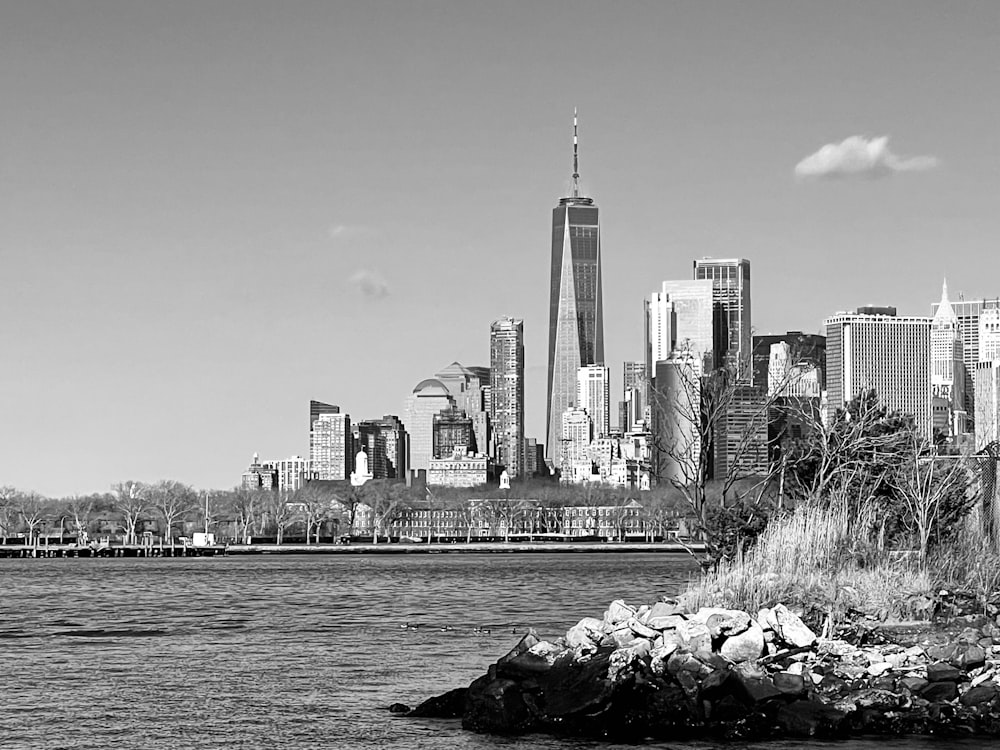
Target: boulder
column 787, row 626
column 496, row 706
column 789, row 684
column 450, row 705
column 618, row 613
column 940, row 691
column 809, row 718
column 969, row 656
column 941, row 672
column 693, row 635
column 980, row 694
column 641, row 630
column 589, row 631
column 748, row 645
column 665, row 622
column 659, row 655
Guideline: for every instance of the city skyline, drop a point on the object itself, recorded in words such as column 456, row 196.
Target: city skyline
column 209, row 226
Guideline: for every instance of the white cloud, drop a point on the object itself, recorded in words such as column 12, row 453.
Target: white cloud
column 862, row 157
column 370, row 284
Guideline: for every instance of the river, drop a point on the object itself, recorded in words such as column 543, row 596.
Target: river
column 289, row 652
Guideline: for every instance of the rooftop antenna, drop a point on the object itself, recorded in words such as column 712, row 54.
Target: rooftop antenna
column 576, row 163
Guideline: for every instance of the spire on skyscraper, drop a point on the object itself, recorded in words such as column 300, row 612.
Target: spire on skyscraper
column 576, row 162
column 945, row 310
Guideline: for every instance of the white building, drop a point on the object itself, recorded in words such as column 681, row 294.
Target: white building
column 330, row 444
column 873, row 349
column 989, row 335
column 428, row 398
column 987, row 380
column 577, row 434
column 461, row 469
column 947, row 369
column 293, row 472
column 593, row 394
column 787, row 378
column 679, row 317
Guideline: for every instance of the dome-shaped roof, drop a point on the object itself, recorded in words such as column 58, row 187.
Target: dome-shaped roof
column 431, row 387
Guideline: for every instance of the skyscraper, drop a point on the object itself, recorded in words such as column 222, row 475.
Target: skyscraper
column 468, row 387
column 635, row 395
column 731, row 302
column 384, row 440
column 507, row 395
column 968, row 313
column 330, row 446
column 576, row 315
column 987, row 379
column 875, row 350
column 593, row 394
column 947, row 369
column 428, row 398
column 679, row 318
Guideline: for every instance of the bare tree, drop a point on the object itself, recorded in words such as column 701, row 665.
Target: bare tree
column 316, row 506
column 386, row 501
column 80, row 508
column 247, row 507
column 173, row 501
column 282, row 513
column 131, row 503
column 33, row 509
column 8, row 511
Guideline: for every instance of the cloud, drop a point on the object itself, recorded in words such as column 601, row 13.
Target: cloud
column 370, row 284
column 858, row 156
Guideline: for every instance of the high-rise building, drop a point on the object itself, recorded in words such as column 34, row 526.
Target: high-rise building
column 805, row 352
column 675, row 402
column 331, row 444
column 292, row 472
column 428, row 398
column 507, row 395
column 989, row 335
column 576, row 313
column 740, row 442
column 635, row 396
column 576, row 434
column 884, row 353
column 468, row 387
column 987, row 415
column 384, row 440
column 680, row 318
column 451, row 428
column 318, row 407
column 259, row 477
column 947, row 370
column 788, row 376
column 593, row 394
column 731, row 304
column 968, row 312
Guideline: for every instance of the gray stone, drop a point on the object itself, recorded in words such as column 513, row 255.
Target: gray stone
column 694, row 635
column 642, row 630
column 941, row 672
column 787, row 625
column 664, row 622
column 618, row 612
column 747, row 645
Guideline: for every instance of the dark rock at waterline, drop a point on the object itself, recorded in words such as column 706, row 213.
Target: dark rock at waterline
column 399, row 708
column 450, row 705
column 663, row 674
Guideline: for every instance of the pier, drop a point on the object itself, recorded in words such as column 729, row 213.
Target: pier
column 110, row 550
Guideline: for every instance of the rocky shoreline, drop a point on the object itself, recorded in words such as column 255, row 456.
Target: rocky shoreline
column 657, row 672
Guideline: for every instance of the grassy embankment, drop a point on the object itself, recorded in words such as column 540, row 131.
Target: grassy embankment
column 830, row 563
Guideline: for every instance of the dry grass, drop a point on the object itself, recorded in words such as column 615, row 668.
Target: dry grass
column 824, row 561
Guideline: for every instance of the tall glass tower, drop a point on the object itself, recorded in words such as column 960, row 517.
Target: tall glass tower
column 576, row 314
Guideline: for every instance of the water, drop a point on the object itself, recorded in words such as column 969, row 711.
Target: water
column 289, row 652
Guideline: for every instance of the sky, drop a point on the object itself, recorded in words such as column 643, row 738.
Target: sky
column 212, row 212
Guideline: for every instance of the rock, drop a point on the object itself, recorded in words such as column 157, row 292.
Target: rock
column 642, row 630
column 942, row 672
column 694, row 636
column 759, row 689
column 969, row 656
column 496, row 706
column 450, row 705
column 879, row 668
column 747, row 645
column 589, row 631
column 664, row 622
column 722, row 621
column 881, row 699
column 623, row 637
column 789, row 684
column 787, row 626
column 684, row 661
column 914, row 684
column 618, row 612
column 658, row 657
column 940, row 691
column 980, row 694
column 667, row 608
column 812, row 719
column 399, row 708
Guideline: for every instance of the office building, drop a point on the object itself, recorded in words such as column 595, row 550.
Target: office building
column 680, row 318
column 331, row 446
column 731, row 310
column 460, row 468
column 507, row 395
column 789, row 376
column 576, row 434
column 675, row 402
column 805, row 352
column 576, row 315
column 429, row 397
column 947, row 371
column 384, row 440
column 451, row 427
column 968, row 313
column 987, row 379
column 989, row 335
column 740, row 442
column 593, row 395
column 259, row 477
column 635, row 396
column 873, row 349
column 292, row 472
column 469, row 387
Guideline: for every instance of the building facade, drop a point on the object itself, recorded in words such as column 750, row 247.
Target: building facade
column 331, row 446
column 691, row 322
column 259, row 477
column 384, row 440
column 731, row 309
column 635, row 396
column 460, row 469
column 805, row 351
column 873, row 349
column 576, row 310
column 947, row 370
column 593, row 394
column 968, row 313
column 293, row 472
column 451, row 427
column 576, row 434
column 987, row 416
column 469, row 388
column 427, row 399
column 507, row 395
